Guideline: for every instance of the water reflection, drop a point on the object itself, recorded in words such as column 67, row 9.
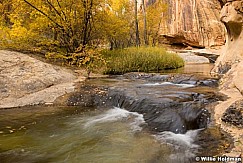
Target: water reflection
column 202, row 69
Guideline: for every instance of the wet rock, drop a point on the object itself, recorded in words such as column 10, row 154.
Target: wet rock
column 169, row 107
column 213, row 141
column 165, row 101
column 234, row 114
column 208, row 82
column 145, row 76
column 174, row 78
column 165, row 114
column 88, row 96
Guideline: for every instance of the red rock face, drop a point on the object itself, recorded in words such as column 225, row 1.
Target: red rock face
column 194, row 23
column 232, row 17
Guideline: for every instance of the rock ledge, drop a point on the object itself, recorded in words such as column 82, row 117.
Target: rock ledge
column 28, row 81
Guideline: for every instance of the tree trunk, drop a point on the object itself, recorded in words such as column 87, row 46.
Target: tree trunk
column 88, row 5
column 136, row 22
column 145, row 24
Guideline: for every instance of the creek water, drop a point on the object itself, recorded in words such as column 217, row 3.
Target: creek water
column 70, row 135
column 80, row 135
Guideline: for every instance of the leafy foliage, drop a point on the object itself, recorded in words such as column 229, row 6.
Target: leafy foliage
column 76, row 31
column 90, row 58
column 155, row 17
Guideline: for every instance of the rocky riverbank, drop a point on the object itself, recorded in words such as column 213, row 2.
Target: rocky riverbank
column 27, row 81
column 228, row 113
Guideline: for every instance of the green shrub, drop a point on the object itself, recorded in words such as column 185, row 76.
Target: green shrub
column 144, row 59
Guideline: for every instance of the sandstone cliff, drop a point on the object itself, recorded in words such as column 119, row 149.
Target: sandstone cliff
column 230, row 63
column 193, row 22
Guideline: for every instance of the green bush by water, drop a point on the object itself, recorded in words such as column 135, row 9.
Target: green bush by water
column 143, row 59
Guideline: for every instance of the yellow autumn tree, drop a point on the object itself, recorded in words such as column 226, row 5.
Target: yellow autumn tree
column 66, row 27
column 115, row 23
column 26, row 27
column 155, row 17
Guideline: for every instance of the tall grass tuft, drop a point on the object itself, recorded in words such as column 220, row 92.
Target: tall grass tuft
column 143, row 59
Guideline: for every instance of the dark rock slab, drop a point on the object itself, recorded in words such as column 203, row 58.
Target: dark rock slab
column 234, row 114
column 174, row 103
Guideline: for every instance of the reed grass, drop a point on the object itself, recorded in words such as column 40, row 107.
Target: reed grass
column 143, row 59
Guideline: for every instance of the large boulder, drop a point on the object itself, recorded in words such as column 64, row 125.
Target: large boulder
column 27, row 81
column 230, row 61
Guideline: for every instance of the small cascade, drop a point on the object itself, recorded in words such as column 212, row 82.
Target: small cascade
column 182, row 146
column 134, row 119
column 170, row 84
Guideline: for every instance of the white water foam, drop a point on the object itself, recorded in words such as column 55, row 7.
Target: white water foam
column 169, row 83
column 185, row 140
column 182, row 143
column 117, row 114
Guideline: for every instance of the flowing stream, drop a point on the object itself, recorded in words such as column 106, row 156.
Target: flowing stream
column 68, row 135
column 89, row 134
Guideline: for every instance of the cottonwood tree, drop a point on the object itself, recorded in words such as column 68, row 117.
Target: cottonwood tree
column 71, row 21
column 5, row 10
column 136, row 22
column 68, row 26
column 145, row 23
column 151, row 16
column 116, row 23
column 156, row 12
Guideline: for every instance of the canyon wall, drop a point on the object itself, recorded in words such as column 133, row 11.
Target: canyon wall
column 193, row 22
column 232, row 17
column 230, row 66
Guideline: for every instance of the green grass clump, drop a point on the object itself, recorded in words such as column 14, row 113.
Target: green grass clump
column 143, row 59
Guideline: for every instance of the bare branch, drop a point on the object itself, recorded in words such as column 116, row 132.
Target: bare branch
column 43, row 14
column 58, row 13
column 61, row 10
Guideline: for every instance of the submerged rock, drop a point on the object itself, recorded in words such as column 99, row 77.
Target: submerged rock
column 213, row 141
column 165, row 111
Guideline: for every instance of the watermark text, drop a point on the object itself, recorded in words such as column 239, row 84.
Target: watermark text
column 218, row 159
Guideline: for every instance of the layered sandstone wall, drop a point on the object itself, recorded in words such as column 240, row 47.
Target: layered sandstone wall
column 232, row 17
column 193, row 22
